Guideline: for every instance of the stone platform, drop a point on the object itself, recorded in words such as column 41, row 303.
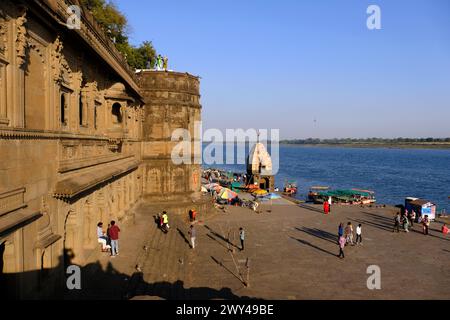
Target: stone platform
column 292, row 251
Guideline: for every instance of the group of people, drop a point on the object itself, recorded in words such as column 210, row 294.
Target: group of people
column 161, row 63
column 109, row 239
column 163, row 222
column 407, row 220
column 345, row 237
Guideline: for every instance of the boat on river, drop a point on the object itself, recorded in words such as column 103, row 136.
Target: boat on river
column 345, row 196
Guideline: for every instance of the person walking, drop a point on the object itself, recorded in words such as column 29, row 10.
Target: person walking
column 114, row 234
column 242, row 237
column 342, row 243
column 326, row 207
column 165, row 220
column 193, row 235
column 330, row 202
column 445, row 229
column 396, row 223
column 359, row 234
column 426, row 225
column 340, row 231
column 406, row 223
column 349, row 233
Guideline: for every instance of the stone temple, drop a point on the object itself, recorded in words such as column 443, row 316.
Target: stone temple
column 259, row 167
column 83, row 139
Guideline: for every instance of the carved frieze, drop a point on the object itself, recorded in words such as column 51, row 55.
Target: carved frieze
column 21, row 39
column 60, row 66
column 3, row 35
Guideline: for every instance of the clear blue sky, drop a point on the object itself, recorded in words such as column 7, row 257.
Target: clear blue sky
column 309, row 68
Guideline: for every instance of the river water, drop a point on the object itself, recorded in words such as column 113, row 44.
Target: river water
column 392, row 173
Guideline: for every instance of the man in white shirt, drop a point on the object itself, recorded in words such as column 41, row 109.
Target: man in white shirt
column 359, row 234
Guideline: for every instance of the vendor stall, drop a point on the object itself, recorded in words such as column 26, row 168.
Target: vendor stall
column 421, row 207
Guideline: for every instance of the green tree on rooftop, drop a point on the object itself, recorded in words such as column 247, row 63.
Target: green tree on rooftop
column 116, row 26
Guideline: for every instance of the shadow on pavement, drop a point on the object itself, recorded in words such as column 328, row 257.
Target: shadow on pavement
column 313, row 246
column 102, row 284
column 321, row 234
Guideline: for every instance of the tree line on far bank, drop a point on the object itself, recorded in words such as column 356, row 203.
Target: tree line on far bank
column 312, row 141
column 115, row 24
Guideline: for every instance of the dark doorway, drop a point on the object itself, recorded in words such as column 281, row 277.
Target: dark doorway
column 264, row 183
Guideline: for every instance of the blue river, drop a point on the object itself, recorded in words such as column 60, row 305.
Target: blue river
column 392, row 173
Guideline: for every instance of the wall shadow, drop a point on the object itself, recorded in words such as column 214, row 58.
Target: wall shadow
column 313, row 246
column 310, row 208
column 321, row 234
column 182, row 235
column 220, row 237
column 98, row 283
column 220, row 243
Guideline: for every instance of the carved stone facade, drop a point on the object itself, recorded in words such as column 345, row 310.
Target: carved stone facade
column 72, row 125
column 172, row 101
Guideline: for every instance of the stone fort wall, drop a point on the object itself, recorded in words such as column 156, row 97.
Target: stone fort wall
column 80, row 142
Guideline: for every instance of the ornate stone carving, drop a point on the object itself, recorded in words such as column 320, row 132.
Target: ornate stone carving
column 60, row 66
column 21, row 39
column 92, row 87
column 3, row 36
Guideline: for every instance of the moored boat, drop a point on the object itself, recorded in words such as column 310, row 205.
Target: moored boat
column 290, row 188
column 346, row 196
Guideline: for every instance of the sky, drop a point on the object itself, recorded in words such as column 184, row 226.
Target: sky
column 310, row 68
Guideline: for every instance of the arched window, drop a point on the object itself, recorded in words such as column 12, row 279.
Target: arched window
column 116, row 114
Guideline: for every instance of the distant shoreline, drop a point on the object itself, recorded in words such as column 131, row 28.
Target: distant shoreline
column 442, row 146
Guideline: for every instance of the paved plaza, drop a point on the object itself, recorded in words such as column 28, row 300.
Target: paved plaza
column 290, row 250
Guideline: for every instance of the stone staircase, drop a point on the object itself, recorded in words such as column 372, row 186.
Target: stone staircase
column 164, row 260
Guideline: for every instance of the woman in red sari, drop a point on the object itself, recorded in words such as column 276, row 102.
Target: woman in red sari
column 326, row 207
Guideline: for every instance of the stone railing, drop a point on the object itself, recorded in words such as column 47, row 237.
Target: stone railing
column 94, row 35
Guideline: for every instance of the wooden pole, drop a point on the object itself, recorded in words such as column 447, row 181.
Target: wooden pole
column 247, row 283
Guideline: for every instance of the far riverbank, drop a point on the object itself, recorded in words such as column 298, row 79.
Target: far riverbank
column 434, row 146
